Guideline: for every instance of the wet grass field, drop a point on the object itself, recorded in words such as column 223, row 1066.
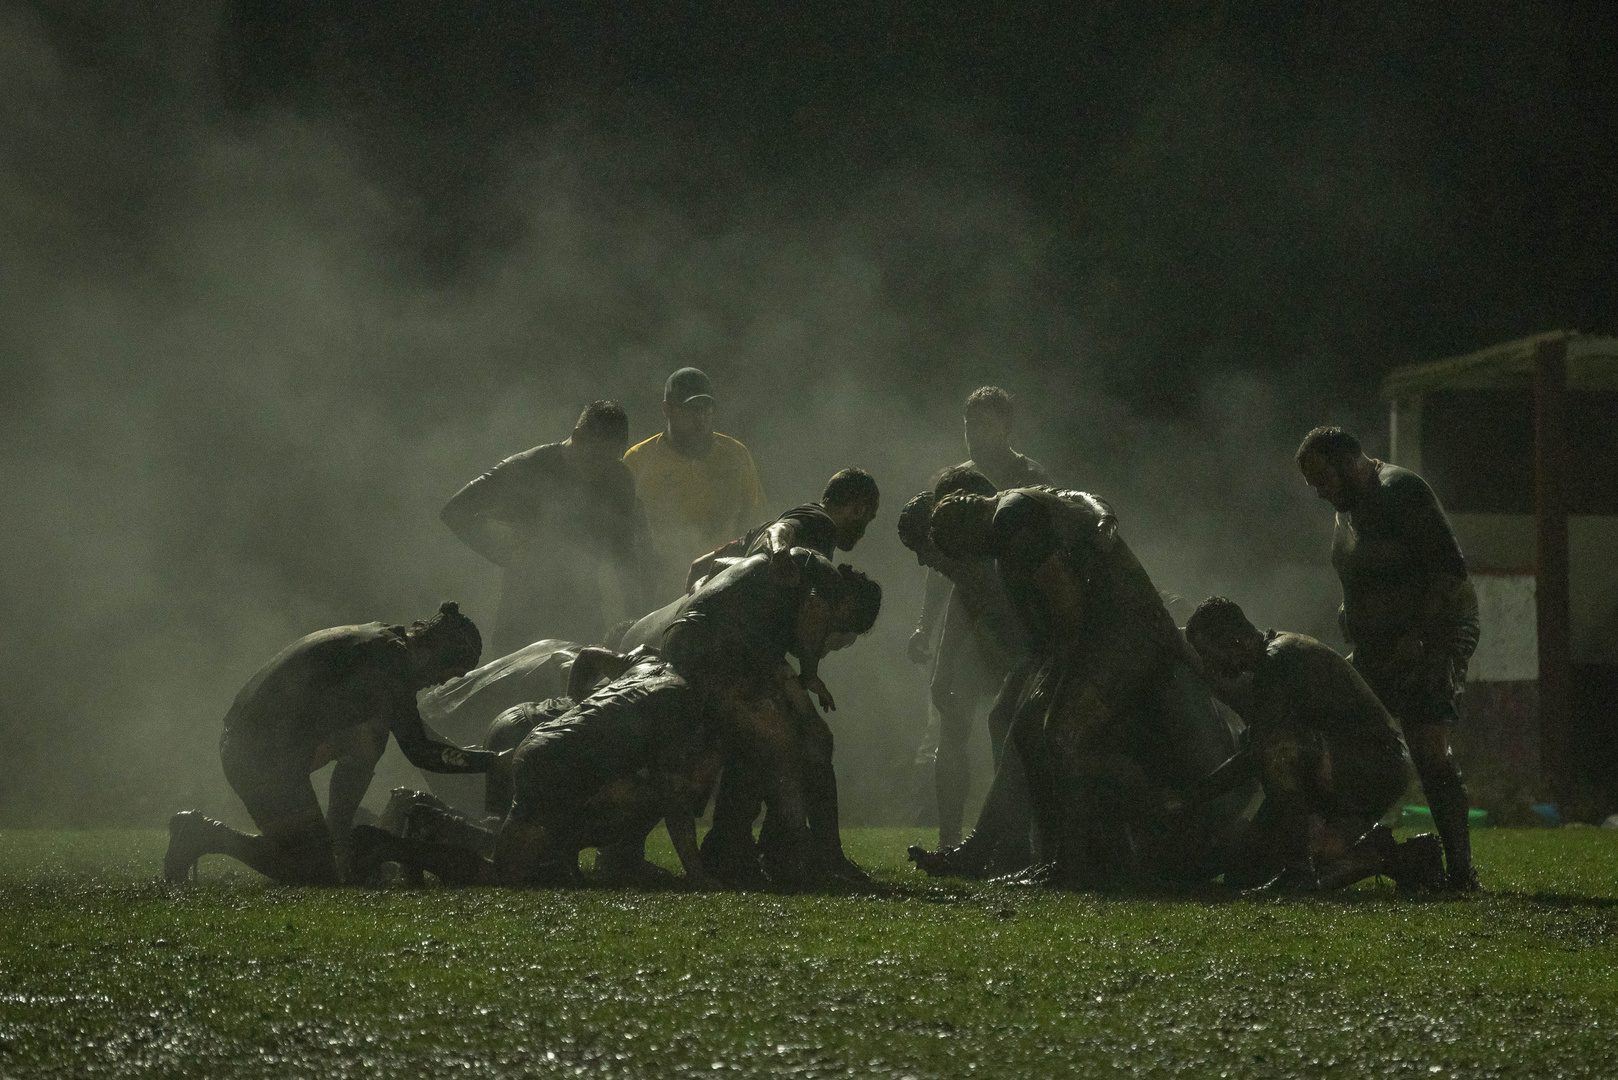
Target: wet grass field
column 105, row 971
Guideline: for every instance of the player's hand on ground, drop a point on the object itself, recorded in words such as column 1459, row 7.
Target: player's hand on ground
column 920, row 647
column 815, row 686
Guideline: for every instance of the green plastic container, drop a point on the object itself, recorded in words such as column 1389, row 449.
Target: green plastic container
column 1419, row 817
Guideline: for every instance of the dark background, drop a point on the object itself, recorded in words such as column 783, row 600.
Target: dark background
column 276, row 278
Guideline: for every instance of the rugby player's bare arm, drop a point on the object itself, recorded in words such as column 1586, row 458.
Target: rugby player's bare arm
column 780, row 537
column 934, row 599
column 428, row 751
column 475, row 515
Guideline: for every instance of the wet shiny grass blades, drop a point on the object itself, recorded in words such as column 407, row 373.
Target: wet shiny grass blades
column 105, row 971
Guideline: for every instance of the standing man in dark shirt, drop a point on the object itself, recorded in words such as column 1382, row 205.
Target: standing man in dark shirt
column 335, row 695
column 981, row 643
column 988, row 418
column 547, row 517
column 1409, row 612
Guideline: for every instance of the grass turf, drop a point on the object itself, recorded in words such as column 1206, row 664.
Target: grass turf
column 104, row 971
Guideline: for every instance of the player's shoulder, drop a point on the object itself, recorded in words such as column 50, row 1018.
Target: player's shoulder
column 818, row 569
column 731, row 450
column 1400, row 485
column 730, row 445
column 1290, row 643
column 544, row 453
column 809, row 511
column 643, row 451
column 548, row 459
column 1301, row 654
column 1033, row 470
column 337, row 648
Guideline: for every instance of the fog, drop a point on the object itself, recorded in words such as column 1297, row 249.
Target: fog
column 239, row 384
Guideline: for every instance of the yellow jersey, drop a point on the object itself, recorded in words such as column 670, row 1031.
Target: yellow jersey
column 694, row 505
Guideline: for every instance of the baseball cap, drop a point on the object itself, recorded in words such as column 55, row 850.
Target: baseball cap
column 686, row 385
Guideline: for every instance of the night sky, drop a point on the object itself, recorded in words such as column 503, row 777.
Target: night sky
column 1344, row 187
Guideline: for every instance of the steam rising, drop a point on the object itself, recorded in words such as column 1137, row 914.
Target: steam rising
column 237, row 391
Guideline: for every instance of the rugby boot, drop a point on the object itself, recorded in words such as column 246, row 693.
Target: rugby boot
column 1011, row 857
column 1417, row 865
column 971, row 858
column 190, row 834
column 834, row 866
column 1299, row 876
column 1369, row 856
column 791, row 868
column 396, row 815
column 436, row 822
column 1446, row 794
column 1036, row 875
column 1464, row 882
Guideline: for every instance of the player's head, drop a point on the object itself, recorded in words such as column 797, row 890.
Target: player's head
column 851, row 500
column 1224, row 637
column 988, row 416
column 446, row 645
column 688, row 405
column 1328, row 457
column 963, row 526
column 959, row 478
column 915, row 528
column 601, row 434
column 858, row 603
column 863, row 602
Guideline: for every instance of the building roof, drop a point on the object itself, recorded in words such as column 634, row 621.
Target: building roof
column 1592, row 364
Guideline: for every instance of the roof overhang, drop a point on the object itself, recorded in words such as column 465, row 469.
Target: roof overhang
column 1592, row 364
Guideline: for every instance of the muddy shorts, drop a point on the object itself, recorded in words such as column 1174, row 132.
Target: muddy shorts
column 1423, row 693
column 279, row 798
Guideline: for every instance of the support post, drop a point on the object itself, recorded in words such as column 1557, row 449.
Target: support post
column 1551, row 589
column 1404, row 432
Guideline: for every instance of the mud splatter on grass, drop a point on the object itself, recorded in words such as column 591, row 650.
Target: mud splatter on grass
column 104, row 971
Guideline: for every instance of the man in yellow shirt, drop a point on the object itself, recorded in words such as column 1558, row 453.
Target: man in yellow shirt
column 699, row 487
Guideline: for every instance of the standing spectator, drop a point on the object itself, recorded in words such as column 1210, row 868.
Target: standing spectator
column 699, row 487
column 547, row 517
column 958, row 684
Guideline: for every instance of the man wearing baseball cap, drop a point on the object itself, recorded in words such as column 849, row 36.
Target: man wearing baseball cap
column 700, row 488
